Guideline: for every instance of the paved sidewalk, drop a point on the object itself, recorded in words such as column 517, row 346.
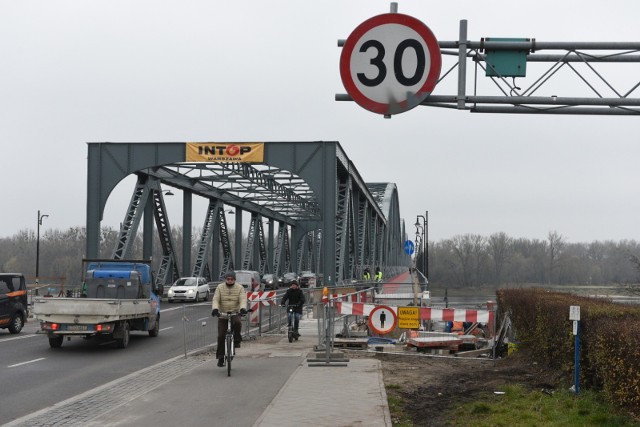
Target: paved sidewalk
column 328, row 396
column 294, row 393
column 331, row 396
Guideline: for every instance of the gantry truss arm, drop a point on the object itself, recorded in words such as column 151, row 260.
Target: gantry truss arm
column 571, row 73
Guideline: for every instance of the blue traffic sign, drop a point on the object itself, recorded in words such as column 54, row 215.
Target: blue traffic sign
column 409, row 247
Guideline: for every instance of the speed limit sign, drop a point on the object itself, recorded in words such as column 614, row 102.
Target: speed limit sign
column 390, row 63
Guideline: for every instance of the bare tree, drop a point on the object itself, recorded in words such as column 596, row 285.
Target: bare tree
column 499, row 248
column 556, row 245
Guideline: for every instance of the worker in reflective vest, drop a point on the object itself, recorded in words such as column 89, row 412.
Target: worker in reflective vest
column 378, row 278
column 366, row 275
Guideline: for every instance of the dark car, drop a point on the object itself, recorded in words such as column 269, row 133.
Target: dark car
column 289, row 277
column 271, row 281
column 13, row 302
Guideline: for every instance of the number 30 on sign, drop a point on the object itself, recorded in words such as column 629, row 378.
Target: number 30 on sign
column 390, row 63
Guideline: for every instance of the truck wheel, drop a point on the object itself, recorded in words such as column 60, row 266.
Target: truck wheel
column 156, row 329
column 124, row 341
column 56, row 342
column 16, row 323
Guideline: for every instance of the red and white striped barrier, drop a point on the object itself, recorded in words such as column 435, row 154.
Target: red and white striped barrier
column 257, row 299
column 426, row 313
column 264, row 298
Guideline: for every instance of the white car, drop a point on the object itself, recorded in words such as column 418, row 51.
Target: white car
column 189, row 289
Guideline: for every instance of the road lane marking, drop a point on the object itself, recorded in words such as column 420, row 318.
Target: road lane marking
column 170, row 309
column 25, row 363
column 21, row 337
column 164, row 329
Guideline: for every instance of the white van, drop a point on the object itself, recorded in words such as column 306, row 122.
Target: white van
column 250, row 280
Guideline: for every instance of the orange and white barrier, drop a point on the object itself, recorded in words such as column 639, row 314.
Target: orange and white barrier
column 426, row 313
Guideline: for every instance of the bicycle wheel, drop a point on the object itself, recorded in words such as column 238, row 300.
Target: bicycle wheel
column 290, row 334
column 229, row 353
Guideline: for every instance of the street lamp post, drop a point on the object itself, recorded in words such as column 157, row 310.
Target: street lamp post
column 422, row 228
column 40, row 218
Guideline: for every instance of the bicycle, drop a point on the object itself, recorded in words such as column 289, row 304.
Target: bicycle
column 229, row 349
column 291, row 317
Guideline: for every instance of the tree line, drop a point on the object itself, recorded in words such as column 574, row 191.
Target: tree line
column 467, row 260
column 473, row 260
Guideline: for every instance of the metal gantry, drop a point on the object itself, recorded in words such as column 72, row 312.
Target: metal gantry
column 529, row 76
column 310, row 190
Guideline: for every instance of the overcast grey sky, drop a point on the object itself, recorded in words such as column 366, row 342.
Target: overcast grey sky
column 80, row 71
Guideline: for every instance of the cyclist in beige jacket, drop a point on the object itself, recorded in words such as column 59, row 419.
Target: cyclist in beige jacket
column 228, row 297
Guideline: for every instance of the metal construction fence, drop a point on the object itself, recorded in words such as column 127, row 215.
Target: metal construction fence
column 267, row 318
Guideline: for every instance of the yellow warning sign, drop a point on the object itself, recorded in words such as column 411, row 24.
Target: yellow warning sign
column 408, row 317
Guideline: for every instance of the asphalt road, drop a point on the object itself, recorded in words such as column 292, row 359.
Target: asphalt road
column 35, row 376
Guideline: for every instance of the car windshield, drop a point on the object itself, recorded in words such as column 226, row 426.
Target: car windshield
column 189, row 281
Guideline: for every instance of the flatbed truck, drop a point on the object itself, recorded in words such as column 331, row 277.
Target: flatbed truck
column 118, row 296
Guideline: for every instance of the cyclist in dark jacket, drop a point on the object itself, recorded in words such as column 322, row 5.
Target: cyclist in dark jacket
column 295, row 298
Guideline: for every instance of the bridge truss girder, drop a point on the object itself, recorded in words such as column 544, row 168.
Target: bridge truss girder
column 301, row 186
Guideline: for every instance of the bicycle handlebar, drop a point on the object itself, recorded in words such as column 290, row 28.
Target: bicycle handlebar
column 234, row 313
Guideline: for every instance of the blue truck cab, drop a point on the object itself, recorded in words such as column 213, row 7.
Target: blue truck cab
column 118, row 296
column 121, row 280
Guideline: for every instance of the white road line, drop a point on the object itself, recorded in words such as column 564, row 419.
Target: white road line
column 21, row 337
column 165, row 329
column 24, row 363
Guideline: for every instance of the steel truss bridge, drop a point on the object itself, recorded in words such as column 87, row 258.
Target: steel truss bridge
column 319, row 213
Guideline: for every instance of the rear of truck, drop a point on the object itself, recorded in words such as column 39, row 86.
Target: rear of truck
column 117, row 297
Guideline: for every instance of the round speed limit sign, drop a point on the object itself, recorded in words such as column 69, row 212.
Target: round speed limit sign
column 390, row 63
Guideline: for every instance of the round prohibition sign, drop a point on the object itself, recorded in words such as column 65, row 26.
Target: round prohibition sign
column 390, row 63
column 382, row 319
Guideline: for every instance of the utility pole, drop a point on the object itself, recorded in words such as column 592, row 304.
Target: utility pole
column 40, row 218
